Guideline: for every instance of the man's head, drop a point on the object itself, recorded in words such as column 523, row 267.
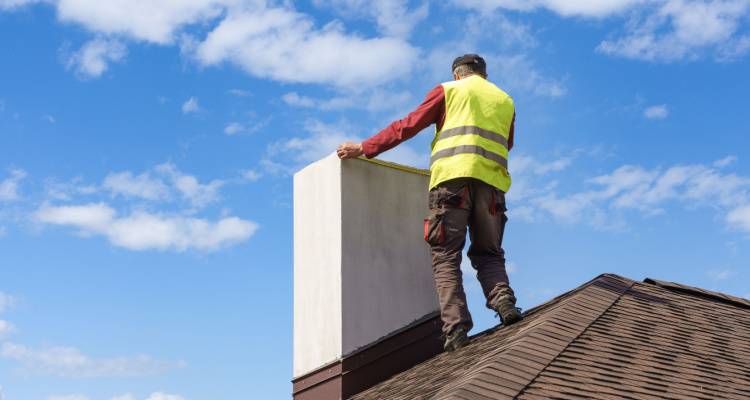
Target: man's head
column 467, row 65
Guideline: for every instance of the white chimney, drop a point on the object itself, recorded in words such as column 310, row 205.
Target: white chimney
column 362, row 274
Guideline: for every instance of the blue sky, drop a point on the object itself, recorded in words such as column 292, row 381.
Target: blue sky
column 147, row 147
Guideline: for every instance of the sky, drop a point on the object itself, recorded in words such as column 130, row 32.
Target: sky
column 147, row 150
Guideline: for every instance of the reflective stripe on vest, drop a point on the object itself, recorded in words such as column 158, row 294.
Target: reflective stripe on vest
column 474, row 130
column 469, row 149
column 473, row 141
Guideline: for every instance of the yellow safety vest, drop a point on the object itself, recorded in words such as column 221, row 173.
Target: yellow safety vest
column 473, row 141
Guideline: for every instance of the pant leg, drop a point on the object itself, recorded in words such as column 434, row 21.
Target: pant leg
column 445, row 231
column 486, row 228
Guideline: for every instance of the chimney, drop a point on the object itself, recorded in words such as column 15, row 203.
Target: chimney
column 365, row 306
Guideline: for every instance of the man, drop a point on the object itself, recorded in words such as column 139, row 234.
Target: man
column 474, row 122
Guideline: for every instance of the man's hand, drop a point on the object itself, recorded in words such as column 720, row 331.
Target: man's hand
column 349, row 150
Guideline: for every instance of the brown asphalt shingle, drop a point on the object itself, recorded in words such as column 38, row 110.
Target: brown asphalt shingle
column 612, row 338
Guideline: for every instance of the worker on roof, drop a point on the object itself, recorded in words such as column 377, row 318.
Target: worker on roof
column 474, row 123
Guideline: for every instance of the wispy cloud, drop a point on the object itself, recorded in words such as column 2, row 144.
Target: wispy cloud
column 9, row 186
column 656, row 30
column 234, row 128
column 68, row 397
column 6, row 328
column 656, row 112
column 289, row 155
column 190, row 105
column 581, row 8
column 163, row 183
column 678, row 29
column 11, row 4
column 6, row 301
column 239, row 92
column 720, row 274
column 371, row 100
column 95, row 56
column 636, row 189
column 198, row 194
column 69, row 362
column 164, row 396
column 393, row 17
column 251, row 175
column 142, row 186
column 152, row 396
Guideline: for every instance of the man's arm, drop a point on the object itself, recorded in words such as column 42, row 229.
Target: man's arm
column 431, row 111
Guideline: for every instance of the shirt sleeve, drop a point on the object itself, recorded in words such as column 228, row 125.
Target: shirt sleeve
column 431, row 111
column 512, row 132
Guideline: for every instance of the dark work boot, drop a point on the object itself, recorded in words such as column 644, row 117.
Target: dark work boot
column 508, row 312
column 456, row 339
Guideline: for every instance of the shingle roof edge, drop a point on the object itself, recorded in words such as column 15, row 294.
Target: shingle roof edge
column 718, row 296
column 542, row 341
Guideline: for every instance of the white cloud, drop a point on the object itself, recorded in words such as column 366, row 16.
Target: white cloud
column 726, row 161
column 127, row 396
column 288, row 155
column 373, row 100
column 634, row 188
column 6, row 301
column 656, row 112
column 3, row 231
column 267, row 41
column 9, row 186
column 284, row 45
column 719, row 274
column 142, row 186
column 146, row 231
column 69, row 362
column 393, row 17
column 6, row 328
column 199, row 194
column 50, row 119
column 162, row 184
column 682, row 29
column 233, row 128
column 511, row 267
column 190, row 105
column 656, row 30
column 239, row 92
column 68, row 397
column 585, row 8
column 146, row 20
column 94, row 57
column 518, row 73
column 739, row 218
column 294, row 99
column 251, row 175
column 11, row 4
column 164, row 396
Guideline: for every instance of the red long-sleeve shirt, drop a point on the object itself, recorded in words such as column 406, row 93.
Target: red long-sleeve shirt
column 431, row 111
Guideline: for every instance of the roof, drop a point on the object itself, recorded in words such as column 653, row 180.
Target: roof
column 611, row 338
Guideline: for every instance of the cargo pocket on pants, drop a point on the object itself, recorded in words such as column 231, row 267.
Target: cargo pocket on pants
column 434, row 229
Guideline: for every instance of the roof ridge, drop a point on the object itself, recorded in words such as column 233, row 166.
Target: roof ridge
column 695, row 291
column 592, row 322
column 555, row 300
column 565, row 323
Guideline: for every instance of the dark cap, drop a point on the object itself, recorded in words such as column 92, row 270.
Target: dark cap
column 471, row 59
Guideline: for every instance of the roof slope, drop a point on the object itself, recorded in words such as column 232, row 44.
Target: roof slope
column 612, row 338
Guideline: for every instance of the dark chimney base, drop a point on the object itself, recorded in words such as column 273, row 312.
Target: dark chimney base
column 372, row 364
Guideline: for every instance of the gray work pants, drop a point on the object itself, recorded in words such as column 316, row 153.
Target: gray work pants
column 454, row 205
